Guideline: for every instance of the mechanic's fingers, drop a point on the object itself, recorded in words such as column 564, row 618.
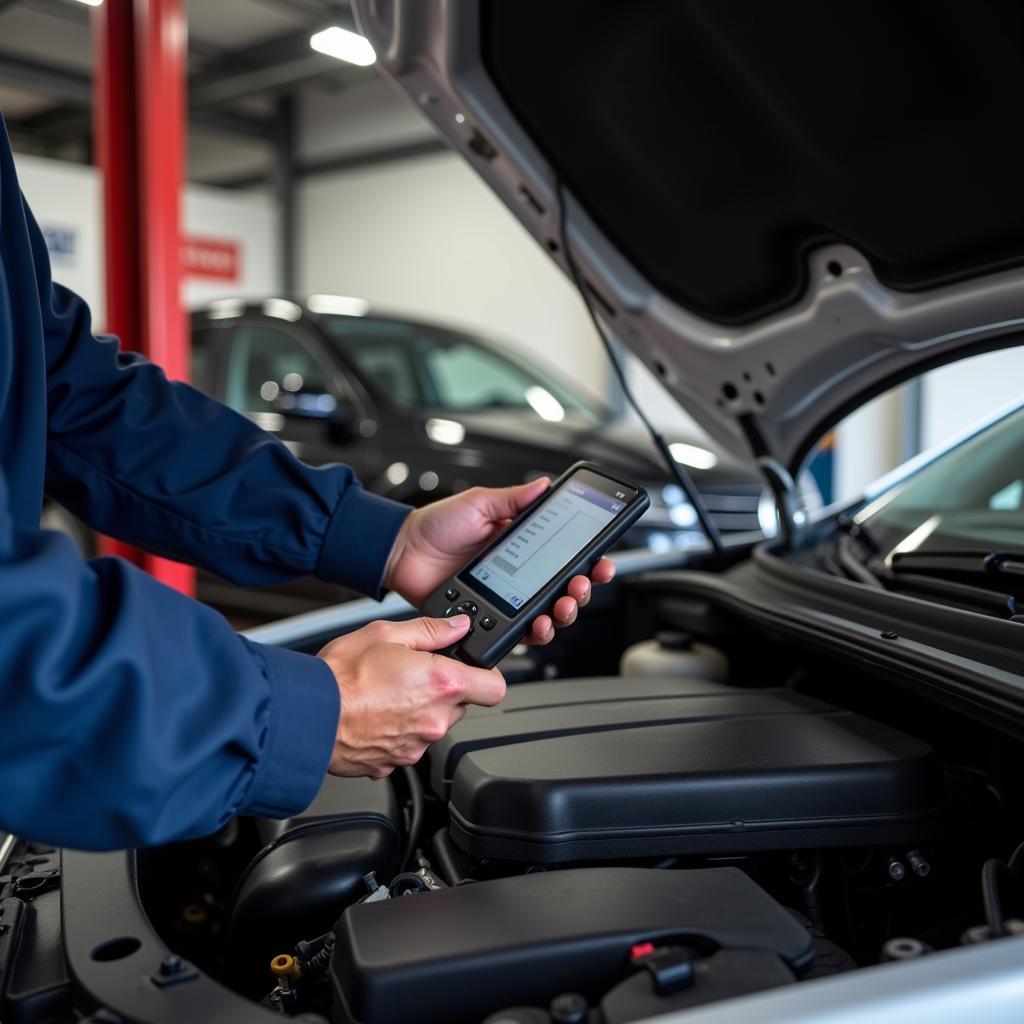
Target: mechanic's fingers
column 565, row 611
column 485, row 687
column 428, row 634
column 603, row 571
column 542, row 632
column 508, row 502
column 579, row 590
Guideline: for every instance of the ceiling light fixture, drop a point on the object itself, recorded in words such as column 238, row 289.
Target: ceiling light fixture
column 344, row 45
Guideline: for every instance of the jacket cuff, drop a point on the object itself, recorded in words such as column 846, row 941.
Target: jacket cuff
column 303, row 725
column 359, row 540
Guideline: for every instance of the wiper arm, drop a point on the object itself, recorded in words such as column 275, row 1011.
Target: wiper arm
column 1002, row 606
column 859, row 532
column 976, row 560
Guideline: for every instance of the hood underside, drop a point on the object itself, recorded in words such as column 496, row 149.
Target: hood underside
column 782, row 209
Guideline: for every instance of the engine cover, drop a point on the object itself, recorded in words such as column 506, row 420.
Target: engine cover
column 456, row 955
column 679, row 767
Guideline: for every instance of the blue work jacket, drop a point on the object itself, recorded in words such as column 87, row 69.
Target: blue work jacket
column 129, row 713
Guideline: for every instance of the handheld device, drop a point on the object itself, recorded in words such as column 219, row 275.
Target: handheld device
column 525, row 569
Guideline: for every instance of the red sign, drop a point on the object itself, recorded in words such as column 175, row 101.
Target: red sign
column 214, row 259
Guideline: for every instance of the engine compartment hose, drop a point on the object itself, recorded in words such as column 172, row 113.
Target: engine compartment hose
column 415, row 787
column 996, row 877
column 315, row 954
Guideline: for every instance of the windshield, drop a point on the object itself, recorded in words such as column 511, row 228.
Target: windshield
column 426, row 367
column 971, row 499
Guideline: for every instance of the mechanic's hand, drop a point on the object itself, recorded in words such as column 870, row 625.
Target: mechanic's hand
column 396, row 698
column 439, row 539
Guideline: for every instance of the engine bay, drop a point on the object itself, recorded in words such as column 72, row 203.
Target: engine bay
column 706, row 818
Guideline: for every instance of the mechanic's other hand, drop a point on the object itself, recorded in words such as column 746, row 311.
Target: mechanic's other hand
column 396, row 697
column 437, row 540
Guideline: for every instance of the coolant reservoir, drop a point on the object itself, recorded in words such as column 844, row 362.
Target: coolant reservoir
column 674, row 654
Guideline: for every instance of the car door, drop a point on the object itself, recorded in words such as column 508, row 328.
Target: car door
column 283, row 379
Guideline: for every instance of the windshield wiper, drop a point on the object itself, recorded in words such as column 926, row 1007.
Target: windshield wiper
column 992, row 602
column 977, row 560
column 910, row 571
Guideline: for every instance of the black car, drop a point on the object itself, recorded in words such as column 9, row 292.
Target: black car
column 421, row 411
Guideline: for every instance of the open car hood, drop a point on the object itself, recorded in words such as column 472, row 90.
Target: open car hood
column 782, row 209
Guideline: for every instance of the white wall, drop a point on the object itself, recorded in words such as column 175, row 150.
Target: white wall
column 250, row 221
column 66, row 199
column 957, row 396
column 426, row 237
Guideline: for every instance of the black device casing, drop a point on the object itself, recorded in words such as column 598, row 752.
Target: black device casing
column 485, row 648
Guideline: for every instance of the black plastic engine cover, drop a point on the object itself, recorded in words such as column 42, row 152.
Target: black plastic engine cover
column 570, row 707
column 722, row 771
column 457, row 955
column 311, row 868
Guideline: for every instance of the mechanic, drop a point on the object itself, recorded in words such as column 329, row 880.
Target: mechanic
column 133, row 715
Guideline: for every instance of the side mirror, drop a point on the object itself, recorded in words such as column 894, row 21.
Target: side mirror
column 338, row 415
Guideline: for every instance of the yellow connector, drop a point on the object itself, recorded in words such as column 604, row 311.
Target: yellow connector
column 284, row 966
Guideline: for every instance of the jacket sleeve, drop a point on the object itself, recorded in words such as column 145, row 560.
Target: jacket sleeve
column 133, row 715
column 170, row 470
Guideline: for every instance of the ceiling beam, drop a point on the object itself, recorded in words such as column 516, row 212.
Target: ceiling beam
column 57, row 83
column 75, row 89
column 221, row 90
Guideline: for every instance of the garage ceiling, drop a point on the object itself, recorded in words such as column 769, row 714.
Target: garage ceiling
column 244, row 57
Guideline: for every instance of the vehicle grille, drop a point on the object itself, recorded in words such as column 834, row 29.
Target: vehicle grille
column 733, row 509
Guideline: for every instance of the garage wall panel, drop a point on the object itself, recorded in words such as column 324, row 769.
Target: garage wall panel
column 426, row 238
column 66, row 200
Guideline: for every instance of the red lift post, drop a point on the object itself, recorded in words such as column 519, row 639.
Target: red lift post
column 139, row 114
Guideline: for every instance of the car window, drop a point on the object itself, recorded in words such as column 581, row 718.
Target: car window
column 465, row 377
column 422, row 367
column 972, row 497
column 264, row 361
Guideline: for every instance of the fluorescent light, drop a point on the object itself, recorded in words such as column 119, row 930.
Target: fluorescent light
column 345, row 45
column 445, row 431
column 282, row 309
column 338, row 305
column 544, row 404
column 91, row 3
column 691, row 455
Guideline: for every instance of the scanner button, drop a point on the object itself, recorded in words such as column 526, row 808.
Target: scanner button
column 449, row 612
column 469, row 608
column 488, row 622
column 451, row 594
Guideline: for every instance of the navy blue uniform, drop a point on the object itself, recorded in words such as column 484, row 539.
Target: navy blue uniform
column 130, row 714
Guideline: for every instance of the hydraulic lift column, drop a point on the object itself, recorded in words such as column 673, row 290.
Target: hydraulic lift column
column 140, row 124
